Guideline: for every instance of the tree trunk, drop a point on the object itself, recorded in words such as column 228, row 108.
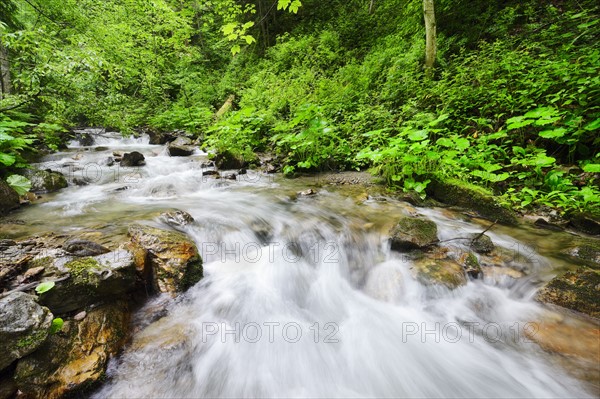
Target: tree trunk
column 371, row 6
column 430, row 45
column 5, row 87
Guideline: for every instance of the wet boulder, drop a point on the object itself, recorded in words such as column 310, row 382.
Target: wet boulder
column 413, row 233
column 25, row 326
column 9, row 199
column 470, row 264
column 169, row 259
column 89, row 280
column 228, row 160
column 481, row 243
column 45, row 181
column 584, row 250
column 463, row 194
column 133, row 159
column 444, row 272
column 85, row 248
column 176, row 218
column 181, row 147
column 74, row 361
column 577, row 290
column 586, row 222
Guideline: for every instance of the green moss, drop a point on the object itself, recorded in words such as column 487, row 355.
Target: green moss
column 33, row 340
column 575, row 290
column 41, row 262
column 82, row 270
column 193, row 274
column 460, row 193
column 411, row 233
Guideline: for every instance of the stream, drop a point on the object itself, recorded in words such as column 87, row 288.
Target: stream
column 302, row 296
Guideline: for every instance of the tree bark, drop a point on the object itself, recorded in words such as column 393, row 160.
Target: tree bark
column 371, row 6
column 430, row 37
column 5, row 86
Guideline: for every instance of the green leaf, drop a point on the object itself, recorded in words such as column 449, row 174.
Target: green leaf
column 235, row 49
column 591, row 168
column 552, row 134
column 417, row 135
column 462, row 143
column 7, row 159
column 594, row 125
column 518, row 122
column 19, row 183
column 229, row 28
column 44, row 287
column 445, row 142
column 57, row 325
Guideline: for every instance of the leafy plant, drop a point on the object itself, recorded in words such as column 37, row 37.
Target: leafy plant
column 44, row 287
column 57, row 325
column 19, row 183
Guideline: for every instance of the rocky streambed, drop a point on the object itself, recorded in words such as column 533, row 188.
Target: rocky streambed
column 153, row 256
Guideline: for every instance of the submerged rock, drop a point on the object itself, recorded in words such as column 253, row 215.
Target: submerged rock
column 133, row 159
column 457, row 192
column 24, row 326
column 45, row 181
column 413, row 233
column 181, row 147
column 9, row 199
column 169, row 259
column 444, row 272
column 579, row 291
column 74, row 360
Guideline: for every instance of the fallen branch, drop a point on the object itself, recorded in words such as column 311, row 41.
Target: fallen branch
column 29, row 286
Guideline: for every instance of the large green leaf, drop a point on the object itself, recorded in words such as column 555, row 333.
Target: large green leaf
column 7, row 159
column 554, row 133
column 19, row 183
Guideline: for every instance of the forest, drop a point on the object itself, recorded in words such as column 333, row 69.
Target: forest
column 299, row 198
column 509, row 102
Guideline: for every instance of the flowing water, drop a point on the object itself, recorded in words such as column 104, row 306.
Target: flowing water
column 302, row 297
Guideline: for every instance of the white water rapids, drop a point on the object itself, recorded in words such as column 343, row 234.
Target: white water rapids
column 302, row 297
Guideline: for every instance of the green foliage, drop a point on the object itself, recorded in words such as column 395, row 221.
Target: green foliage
column 13, row 141
column 239, row 133
column 19, row 183
column 57, row 325
column 44, row 287
column 309, row 142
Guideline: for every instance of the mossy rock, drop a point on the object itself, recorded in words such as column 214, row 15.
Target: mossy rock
column 466, row 195
column 229, row 160
column 471, row 265
column 73, row 361
column 9, row 199
column 586, row 222
column 45, row 181
column 443, row 272
column 25, row 326
column 92, row 279
column 481, row 243
column 169, row 259
column 585, row 251
column 578, row 290
column 413, row 233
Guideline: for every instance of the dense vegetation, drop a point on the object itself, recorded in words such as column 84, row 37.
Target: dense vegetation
column 513, row 103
